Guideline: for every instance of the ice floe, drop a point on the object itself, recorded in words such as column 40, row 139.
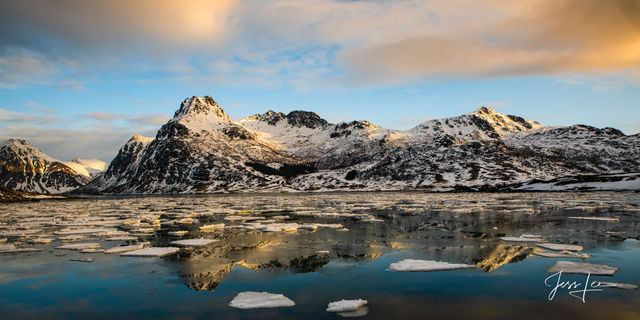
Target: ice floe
column 41, row 240
column 121, row 249
column 11, row 248
column 523, row 238
column 211, row 227
column 82, row 231
column 75, row 237
column 82, row 259
column 560, row 247
column 151, row 252
column 346, row 305
column 596, row 219
column 563, row 254
column 122, row 238
column 582, row 268
column 193, row 242
column 80, row 246
column 426, row 265
column 623, row 286
column 255, row 300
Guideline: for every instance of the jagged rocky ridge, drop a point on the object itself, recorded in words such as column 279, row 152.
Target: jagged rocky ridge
column 201, row 150
column 25, row 168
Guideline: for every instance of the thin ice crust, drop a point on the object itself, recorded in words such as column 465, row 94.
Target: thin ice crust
column 256, row 300
column 410, row 265
column 582, row 268
column 346, row 305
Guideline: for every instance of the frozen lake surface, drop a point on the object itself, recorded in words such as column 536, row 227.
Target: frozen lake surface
column 315, row 249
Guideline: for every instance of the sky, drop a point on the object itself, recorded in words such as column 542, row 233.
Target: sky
column 79, row 78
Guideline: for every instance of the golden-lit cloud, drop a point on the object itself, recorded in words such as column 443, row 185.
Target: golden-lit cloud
column 537, row 37
column 122, row 23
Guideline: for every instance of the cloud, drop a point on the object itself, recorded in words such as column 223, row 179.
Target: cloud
column 20, row 67
column 8, row 117
column 66, row 144
column 538, row 38
column 408, row 122
column 493, row 105
column 101, row 116
column 136, row 120
column 148, row 119
column 40, row 108
column 59, row 44
column 602, row 81
column 98, row 25
column 100, row 141
column 181, row 69
column 631, row 127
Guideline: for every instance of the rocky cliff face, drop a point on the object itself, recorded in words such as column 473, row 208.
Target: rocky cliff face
column 25, row 168
column 202, row 150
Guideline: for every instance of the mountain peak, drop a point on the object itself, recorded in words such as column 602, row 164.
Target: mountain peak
column 485, row 110
column 296, row 118
column 505, row 123
column 24, row 148
column 201, row 107
column 481, row 124
column 299, row 118
column 200, row 114
column 139, row 138
column 16, row 142
column 271, row 117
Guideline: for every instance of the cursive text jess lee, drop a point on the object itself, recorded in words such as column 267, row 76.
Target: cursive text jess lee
column 576, row 289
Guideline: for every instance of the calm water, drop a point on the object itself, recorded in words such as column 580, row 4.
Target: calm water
column 377, row 229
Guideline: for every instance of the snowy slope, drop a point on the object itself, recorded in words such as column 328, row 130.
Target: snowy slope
column 87, row 167
column 482, row 124
column 629, row 181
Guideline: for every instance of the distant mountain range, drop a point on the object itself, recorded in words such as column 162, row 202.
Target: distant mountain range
column 25, row 168
column 201, row 150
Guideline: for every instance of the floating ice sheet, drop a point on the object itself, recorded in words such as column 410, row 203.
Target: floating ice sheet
column 623, row 286
column 582, row 268
column 193, row 242
column 83, row 231
column 121, row 249
column 82, row 259
column 41, row 240
column 346, row 305
column 151, row 252
column 523, row 238
column 559, row 247
column 122, row 238
column 426, row 265
column 255, row 300
column 563, row 254
column 11, row 248
column 596, row 218
column 80, row 246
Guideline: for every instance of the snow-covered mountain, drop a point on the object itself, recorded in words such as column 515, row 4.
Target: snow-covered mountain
column 25, row 168
column 201, row 150
column 87, row 167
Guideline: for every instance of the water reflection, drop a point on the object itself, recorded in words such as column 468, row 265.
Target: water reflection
column 304, row 233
